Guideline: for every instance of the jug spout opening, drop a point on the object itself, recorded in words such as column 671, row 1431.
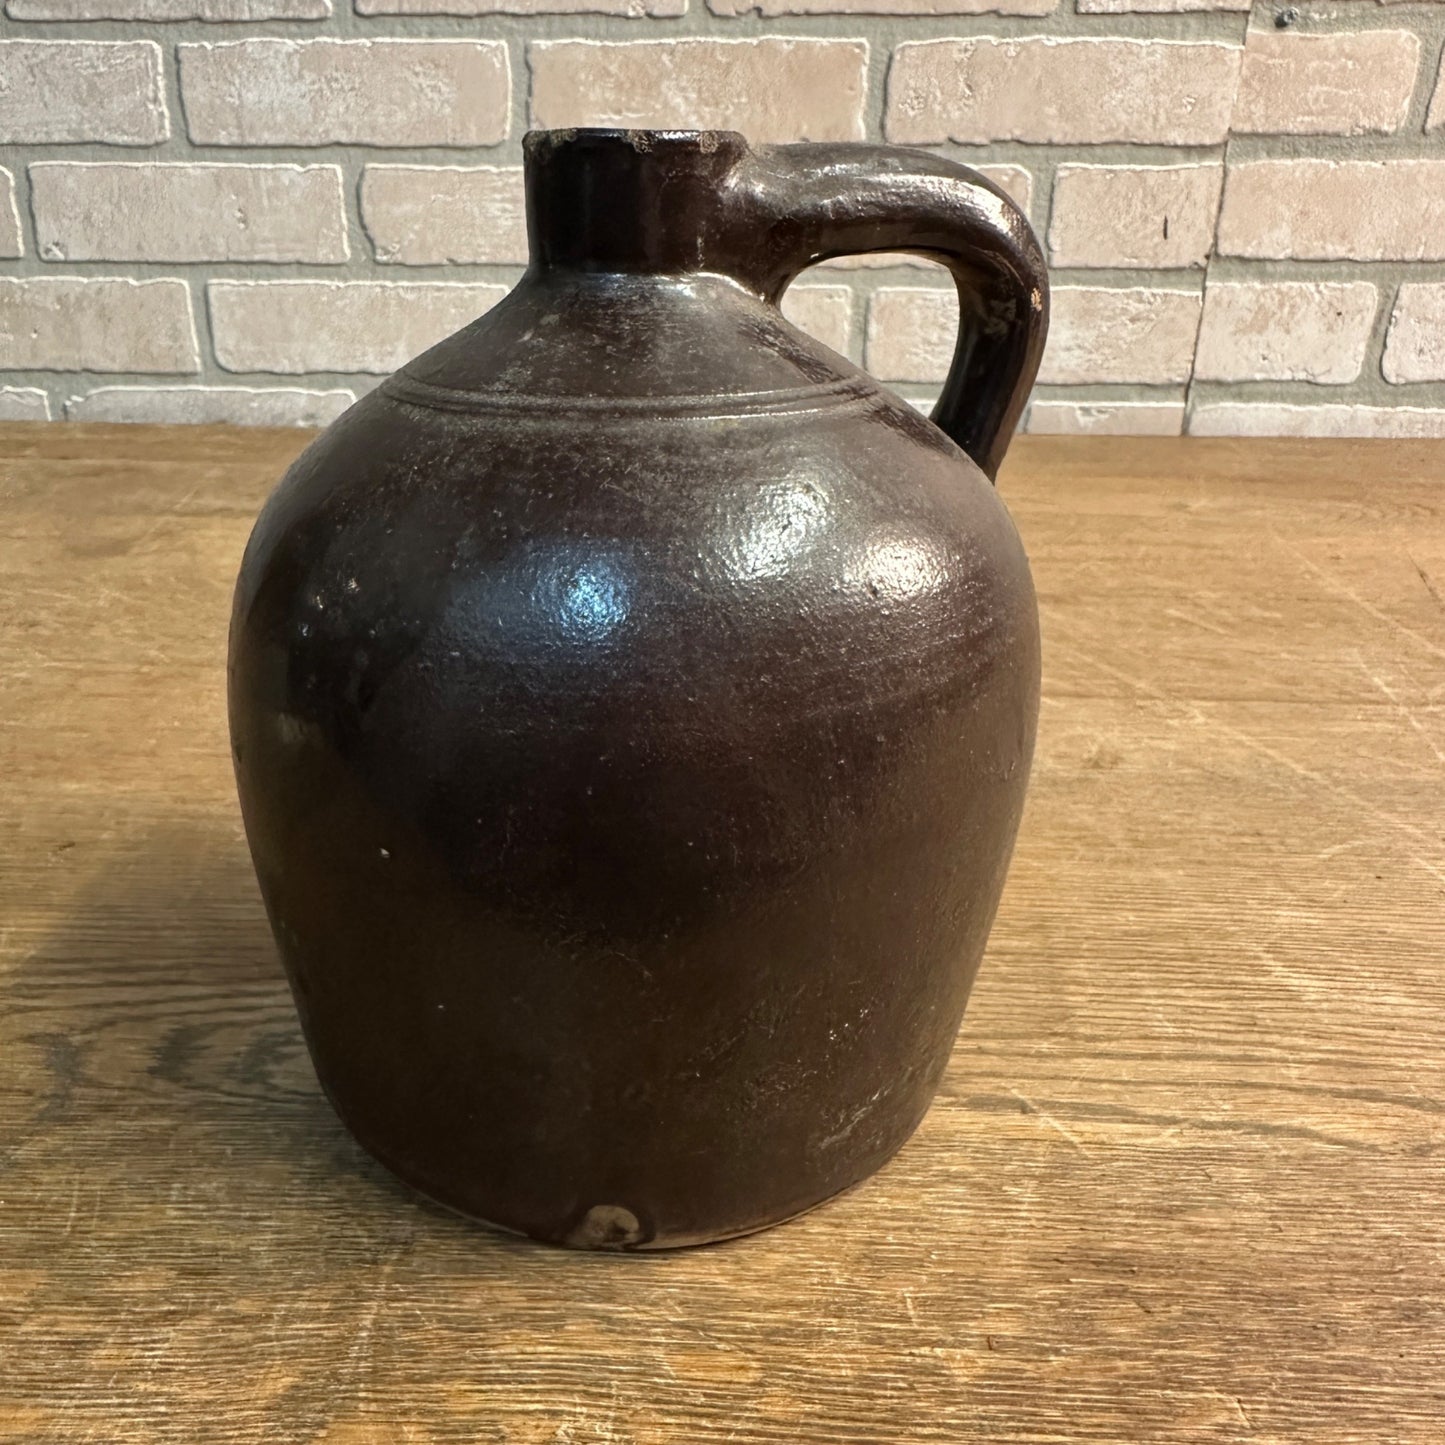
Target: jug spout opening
column 548, row 143
column 627, row 200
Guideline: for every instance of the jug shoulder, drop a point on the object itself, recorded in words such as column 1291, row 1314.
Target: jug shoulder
column 646, row 554
column 570, row 338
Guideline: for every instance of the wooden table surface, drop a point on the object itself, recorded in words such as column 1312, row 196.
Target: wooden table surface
column 1185, row 1180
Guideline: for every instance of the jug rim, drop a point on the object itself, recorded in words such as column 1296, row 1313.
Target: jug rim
column 637, row 138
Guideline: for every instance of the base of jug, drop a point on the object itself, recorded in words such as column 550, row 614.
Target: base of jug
column 612, row 1229
column 594, row 1240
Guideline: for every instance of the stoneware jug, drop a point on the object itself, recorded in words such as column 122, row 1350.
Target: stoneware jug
column 632, row 701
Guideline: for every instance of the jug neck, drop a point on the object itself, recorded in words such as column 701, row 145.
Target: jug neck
column 629, row 200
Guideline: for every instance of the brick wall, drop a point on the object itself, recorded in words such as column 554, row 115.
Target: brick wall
column 250, row 210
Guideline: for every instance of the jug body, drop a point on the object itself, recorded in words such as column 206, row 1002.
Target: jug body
column 632, row 705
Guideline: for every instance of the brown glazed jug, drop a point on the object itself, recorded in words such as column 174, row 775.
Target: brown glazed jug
column 632, row 701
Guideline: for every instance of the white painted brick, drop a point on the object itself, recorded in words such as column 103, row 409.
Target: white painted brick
column 440, row 215
column 147, row 211
column 23, row 403
column 1415, row 345
column 1436, row 117
column 1327, row 210
column 1096, row 334
column 59, row 91
column 825, row 312
column 210, row 405
column 1108, row 334
column 101, row 323
column 632, row 9
column 880, row 260
column 1278, row 419
column 1106, row 418
column 1156, row 216
column 910, row 333
column 1343, row 83
column 292, row 327
column 1066, row 91
column 770, row 8
column 167, row 10
column 11, row 242
column 770, row 89
column 1157, row 7
column 346, row 92
column 1285, row 331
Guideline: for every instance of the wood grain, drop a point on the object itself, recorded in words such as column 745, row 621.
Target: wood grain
column 1184, row 1182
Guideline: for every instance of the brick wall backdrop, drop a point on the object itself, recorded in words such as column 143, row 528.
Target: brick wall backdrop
column 249, row 210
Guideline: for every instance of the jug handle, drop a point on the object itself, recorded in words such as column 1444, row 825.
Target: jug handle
column 796, row 205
